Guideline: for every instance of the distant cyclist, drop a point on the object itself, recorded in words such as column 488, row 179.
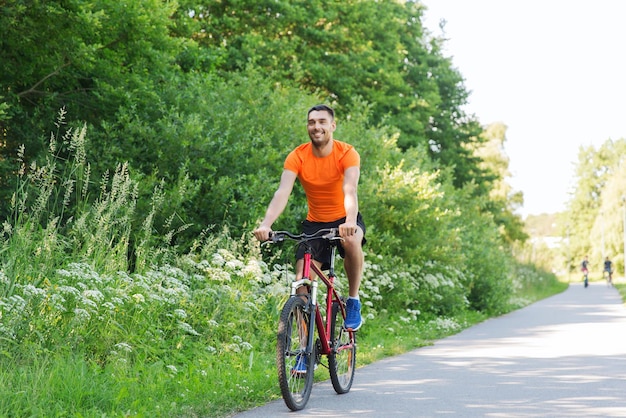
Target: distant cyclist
column 584, row 267
column 608, row 268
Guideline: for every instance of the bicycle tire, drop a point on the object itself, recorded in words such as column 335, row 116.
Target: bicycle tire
column 342, row 357
column 291, row 344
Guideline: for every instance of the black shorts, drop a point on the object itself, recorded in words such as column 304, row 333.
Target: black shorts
column 321, row 247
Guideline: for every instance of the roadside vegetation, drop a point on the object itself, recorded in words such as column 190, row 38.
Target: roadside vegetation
column 621, row 288
column 139, row 145
column 186, row 333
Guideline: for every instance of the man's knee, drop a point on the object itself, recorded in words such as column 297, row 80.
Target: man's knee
column 354, row 252
column 353, row 244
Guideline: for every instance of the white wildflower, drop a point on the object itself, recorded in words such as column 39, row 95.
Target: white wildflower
column 188, row 328
column 32, row 291
column 57, row 302
column 139, row 298
column 255, row 268
column 445, row 324
column 88, row 303
column 82, row 315
column 217, row 260
column 109, row 306
column 69, row 290
column 227, row 255
column 94, row 295
column 233, row 347
column 117, row 301
column 125, row 347
column 16, row 302
column 180, row 313
column 234, row 265
column 218, row 275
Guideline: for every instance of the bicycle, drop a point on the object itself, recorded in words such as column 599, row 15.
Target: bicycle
column 608, row 276
column 586, row 277
column 297, row 351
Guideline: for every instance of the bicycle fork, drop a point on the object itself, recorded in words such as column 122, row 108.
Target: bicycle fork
column 312, row 307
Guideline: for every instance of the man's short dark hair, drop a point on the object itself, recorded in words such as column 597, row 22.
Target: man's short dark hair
column 321, row 108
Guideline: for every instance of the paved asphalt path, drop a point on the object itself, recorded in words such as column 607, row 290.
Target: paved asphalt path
column 561, row 357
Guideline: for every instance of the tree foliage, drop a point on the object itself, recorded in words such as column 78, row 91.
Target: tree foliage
column 377, row 51
column 95, row 59
column 204, row 99
column 503, row 201
column 594, row 219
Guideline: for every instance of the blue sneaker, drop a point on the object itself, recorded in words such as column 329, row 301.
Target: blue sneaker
column 353, row 315
column 299, row 369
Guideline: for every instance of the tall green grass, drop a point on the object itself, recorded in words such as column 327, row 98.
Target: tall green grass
column 88, row 337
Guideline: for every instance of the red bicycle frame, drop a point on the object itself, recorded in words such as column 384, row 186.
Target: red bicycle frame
column 323, row 330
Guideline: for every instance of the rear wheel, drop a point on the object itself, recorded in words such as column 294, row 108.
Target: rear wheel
column 295, row 367
column 342, row 357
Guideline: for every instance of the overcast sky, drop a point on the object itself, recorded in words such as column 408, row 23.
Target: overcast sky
column 553, row 71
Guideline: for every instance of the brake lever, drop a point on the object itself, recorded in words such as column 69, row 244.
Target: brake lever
column 332, row 235
column 276, row 238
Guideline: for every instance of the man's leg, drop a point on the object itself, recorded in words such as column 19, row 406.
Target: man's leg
column 353, row 264
column 353, row 261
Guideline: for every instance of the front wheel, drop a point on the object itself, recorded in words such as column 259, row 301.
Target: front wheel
column 342, row 357
column 295, row 366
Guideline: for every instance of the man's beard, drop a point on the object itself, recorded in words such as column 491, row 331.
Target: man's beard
column 321, row 141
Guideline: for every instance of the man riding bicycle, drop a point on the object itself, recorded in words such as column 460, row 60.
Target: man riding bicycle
column 584, row 267
column 329, row 172
column 608, row 268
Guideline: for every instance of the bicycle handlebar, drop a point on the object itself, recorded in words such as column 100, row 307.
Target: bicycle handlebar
column 329, row 234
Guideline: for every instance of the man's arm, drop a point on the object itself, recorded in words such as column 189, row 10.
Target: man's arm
column 277, row 205
column 350, row 199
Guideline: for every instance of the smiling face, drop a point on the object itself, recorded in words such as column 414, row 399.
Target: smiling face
column 320, row 126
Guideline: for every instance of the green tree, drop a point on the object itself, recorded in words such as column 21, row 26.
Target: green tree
column 503, row 200
column 374, row 50
column 607, row 232
column 92, row 58
column 593, row 209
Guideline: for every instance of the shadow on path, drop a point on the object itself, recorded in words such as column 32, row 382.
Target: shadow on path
column 561, row 357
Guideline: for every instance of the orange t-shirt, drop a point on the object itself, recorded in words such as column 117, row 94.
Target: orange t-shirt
column 322, row 178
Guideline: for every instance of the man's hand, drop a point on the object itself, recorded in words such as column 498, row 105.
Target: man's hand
column 262, row 233
column 347, row 229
